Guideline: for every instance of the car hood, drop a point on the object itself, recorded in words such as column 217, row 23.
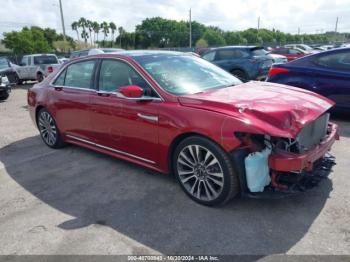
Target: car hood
column 273, row 108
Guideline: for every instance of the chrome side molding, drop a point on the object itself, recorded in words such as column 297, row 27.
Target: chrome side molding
column 110, row 149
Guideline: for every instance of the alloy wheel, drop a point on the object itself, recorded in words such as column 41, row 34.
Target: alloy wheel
column 200, row 172
column 47, row 128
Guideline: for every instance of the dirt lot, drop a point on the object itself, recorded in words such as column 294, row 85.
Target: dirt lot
column 75, row 201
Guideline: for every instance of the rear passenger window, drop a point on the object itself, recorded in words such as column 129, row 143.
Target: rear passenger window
column 225, row 54
column 77, row 75
column 339, row 61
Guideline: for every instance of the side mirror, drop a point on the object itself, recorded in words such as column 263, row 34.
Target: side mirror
column 131, row 91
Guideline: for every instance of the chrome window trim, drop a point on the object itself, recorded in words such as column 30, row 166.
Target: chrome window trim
column 64, row 68
column 160, row 98
column 110, row 149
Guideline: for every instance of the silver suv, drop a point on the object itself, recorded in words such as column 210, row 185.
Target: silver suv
column 37, row 66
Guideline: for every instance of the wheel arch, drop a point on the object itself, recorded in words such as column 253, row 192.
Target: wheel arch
column 37, row 110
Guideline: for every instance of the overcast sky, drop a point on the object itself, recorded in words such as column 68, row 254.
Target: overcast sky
column 286, row 15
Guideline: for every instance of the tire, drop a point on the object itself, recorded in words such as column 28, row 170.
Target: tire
column 48, row 129
column 204, row 171
column 39, row 77
column 240, row 74
column 4, row 96
column 16, row 79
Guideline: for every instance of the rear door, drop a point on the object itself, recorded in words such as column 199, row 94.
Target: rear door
column 229, row 59
column 70, row 99
column 332, row 77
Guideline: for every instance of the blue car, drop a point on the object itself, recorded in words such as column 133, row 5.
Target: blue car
column 245, row 62
column 326, row 73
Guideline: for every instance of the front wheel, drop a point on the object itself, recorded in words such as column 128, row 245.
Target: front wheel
column 205, row 171
column 4, row 95
column 48, row 130
column 240, row 75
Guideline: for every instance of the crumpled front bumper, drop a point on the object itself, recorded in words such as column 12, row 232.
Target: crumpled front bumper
column 290, row 162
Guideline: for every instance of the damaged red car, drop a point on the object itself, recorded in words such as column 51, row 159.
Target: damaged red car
column 177, row 113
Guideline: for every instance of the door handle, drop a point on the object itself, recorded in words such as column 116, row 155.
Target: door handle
column 148, row 117
column 103, row 93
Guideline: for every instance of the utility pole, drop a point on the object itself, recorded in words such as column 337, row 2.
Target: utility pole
column 258, row 22
column 298, row 30
column 62, row 20
column 336, row 26
column 190, row 29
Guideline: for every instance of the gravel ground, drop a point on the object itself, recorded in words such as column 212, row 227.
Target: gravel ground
column 75, row 201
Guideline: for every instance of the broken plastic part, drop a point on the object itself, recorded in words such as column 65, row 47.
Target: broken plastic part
column 257, row 170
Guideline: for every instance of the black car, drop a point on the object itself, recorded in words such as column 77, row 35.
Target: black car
column 5, row 88
column 245, row 62
column 7, row 70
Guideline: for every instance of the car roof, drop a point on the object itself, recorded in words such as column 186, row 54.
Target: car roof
column 40, row 55
column 138, row 53
column 238, row 47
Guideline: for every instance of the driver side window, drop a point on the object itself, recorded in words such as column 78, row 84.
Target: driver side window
column 115, row 74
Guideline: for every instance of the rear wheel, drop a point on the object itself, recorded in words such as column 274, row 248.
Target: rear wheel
column 205, row 171
column 40, row 77
column 48, row 129
column 240, row 74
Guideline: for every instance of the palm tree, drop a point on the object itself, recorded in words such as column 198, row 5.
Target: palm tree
column 75, row 26
column 113, row 27
column 83, row 23
column 89, row 26
column 105, row 29
column 96, row 28
column 121, row 31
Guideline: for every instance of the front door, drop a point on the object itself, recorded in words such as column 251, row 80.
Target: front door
column 128, row 126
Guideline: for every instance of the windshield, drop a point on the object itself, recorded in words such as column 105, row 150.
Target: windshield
column 3, row 63
column 306, row 47
column 185, row 74
column 259, row 52
column 45, row 60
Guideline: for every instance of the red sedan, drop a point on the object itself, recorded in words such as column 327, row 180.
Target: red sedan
column 177, row 113
column 290, row 53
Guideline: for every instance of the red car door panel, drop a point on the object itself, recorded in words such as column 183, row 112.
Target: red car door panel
column 73, row 111
column 139, row 128
column 70, row 96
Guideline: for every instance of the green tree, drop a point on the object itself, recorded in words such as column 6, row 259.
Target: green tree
column 89, row 25
column 201, row 43
column 113, row 27
column 214, row 38
column 83, row 24
column 96, row 28
column 26, row 41
column 75, row 26
column 105, row 30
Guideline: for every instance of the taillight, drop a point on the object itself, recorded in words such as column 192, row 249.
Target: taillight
column 50, row 69
column 277, row 70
